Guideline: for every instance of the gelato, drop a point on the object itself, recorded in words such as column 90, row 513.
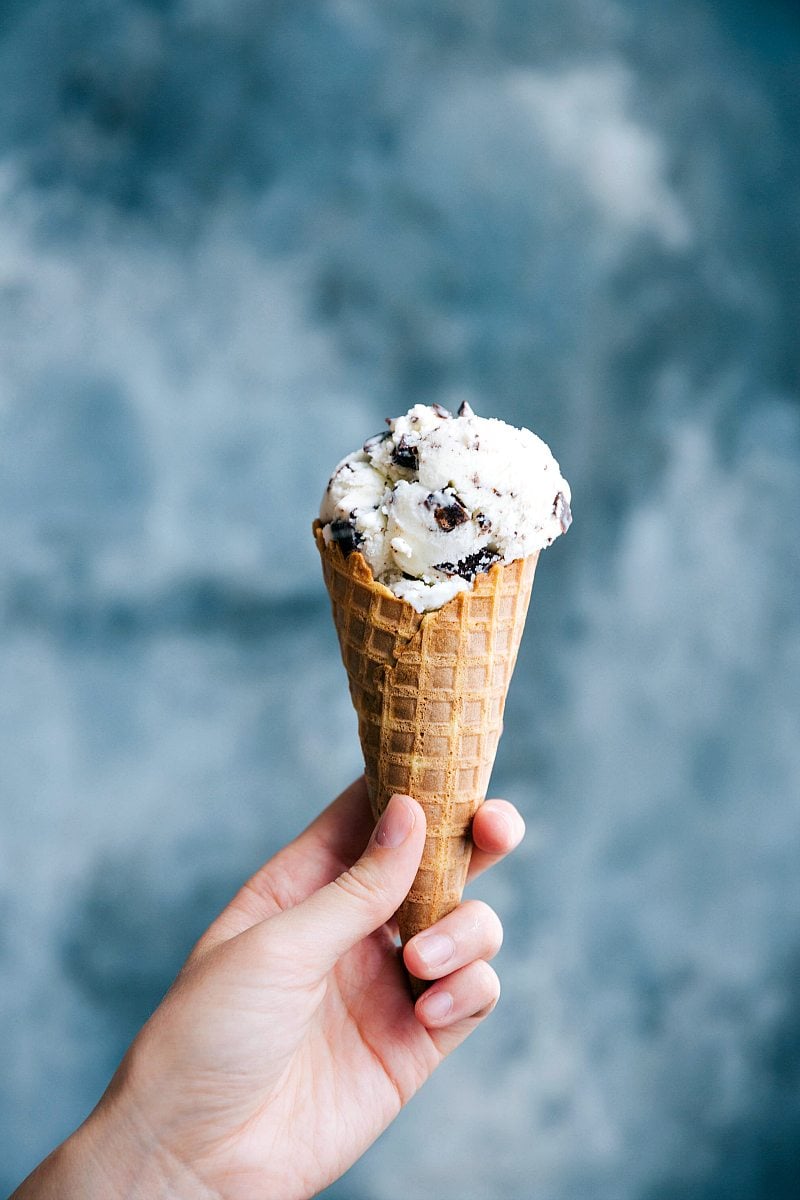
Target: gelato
column 437, row 499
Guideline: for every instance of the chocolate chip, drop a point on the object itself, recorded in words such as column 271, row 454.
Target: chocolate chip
column 343, row 532
column 448, row 510
column 465, row 410
column 472, row 565
column 375, row 440
column 406, row 454
column 483, row 522
column 562, row 512
column 442, row 412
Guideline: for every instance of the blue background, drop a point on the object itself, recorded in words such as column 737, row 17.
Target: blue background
column 235, row 236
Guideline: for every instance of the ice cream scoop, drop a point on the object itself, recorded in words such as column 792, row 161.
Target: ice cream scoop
column 437, row 498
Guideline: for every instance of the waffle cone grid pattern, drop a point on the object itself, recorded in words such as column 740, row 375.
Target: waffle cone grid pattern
column 429, row 690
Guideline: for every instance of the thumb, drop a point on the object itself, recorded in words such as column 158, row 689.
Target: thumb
column 341, row 914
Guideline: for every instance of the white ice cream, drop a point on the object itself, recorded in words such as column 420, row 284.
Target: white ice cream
column 438, row 498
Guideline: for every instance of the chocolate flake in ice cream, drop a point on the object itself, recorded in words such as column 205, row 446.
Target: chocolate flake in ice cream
column 406, row 454
column 344, row 533
column 472, row 565
column 448, row 511
column 437, row 499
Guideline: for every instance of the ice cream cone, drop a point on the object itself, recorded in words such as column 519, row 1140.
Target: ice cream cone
column 429, row 690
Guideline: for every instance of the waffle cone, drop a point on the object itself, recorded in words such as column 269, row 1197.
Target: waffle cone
column 429, row 690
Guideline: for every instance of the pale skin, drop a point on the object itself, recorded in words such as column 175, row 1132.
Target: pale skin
column 289, row 1040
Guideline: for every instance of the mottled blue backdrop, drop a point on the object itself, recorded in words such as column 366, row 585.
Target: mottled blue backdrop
column 236, row 234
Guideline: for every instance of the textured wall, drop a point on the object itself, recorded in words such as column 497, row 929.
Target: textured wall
column 235, row 236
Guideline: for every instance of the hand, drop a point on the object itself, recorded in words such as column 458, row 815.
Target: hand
column 289, row 1040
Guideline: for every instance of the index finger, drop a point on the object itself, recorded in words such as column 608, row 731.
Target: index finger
column 497, row 829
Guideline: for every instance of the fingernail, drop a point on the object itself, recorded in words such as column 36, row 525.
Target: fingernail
column 436, row 1005
column 396, row 823
column 434, row 948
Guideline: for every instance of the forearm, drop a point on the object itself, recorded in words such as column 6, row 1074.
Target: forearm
column 111, row 1159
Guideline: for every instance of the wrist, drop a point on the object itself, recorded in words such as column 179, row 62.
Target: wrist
column 112, row 1156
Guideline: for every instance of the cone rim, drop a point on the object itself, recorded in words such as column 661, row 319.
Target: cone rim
column 356, row 563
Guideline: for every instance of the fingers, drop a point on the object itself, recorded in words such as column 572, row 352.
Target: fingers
column 497, row 828
column 453, row 1007
column 472, row 931
column 362, row 898
column 454, row 953
column 331, row 842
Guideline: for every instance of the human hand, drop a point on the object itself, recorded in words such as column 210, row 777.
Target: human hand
column 289, row 1041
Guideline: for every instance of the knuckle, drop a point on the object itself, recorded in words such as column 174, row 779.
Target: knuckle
column 494, row 930
column 488, row 926
column 357, row 883
column 511, row 816
column 496, row 804
column 487, row 987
